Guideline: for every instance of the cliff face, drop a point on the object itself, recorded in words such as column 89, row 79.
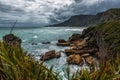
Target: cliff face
column 106, row 37
column 90, row 20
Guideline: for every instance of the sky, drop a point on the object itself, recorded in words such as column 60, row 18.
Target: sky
column 47, row 12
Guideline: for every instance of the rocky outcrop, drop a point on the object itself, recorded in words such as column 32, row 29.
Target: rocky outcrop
column 47, row 42
column 89, row 60
column 62, row 42
column 75, row 37
column 75, row 59
column 12, row 40
column 50, row 55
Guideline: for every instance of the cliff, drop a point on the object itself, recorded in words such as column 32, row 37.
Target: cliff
column 106, row 37
column 90, row 20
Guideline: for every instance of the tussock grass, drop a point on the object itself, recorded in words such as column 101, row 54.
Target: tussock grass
column 15, row 64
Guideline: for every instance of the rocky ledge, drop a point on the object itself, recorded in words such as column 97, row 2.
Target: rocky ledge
column 50, row 54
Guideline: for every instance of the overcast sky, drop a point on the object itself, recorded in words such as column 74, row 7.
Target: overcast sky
column 44, row 12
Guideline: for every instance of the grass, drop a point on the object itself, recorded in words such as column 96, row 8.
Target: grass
column 15, row 64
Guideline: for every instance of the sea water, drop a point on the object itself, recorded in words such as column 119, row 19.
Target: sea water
column 32, row 39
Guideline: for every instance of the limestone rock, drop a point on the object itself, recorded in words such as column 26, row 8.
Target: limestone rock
column 75, row 37
column 62, row 42
column 47, row 42
column 75, row 59
column 89, row 60
column 50, row 54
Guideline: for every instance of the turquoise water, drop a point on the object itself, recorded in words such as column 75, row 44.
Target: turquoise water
column 38, row 35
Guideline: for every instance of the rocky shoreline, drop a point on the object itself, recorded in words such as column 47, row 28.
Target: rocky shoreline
column 78, row 51
column 100, row 42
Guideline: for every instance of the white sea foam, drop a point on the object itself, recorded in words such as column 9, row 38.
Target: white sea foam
column 35, row 36
column 73, row 29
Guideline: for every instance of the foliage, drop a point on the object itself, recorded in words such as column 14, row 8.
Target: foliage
column 15, row 64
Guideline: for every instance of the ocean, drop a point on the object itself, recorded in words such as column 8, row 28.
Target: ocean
column 36, row 36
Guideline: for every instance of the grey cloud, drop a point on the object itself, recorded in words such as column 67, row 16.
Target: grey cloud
column 44, row 12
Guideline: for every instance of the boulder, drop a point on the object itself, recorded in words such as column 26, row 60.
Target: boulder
column 78, row 45
column 47, row 42
column 75, row 59
column 34, row 43
column 68, row 51
column 12, row 40
column 89, row 60
column 50, row 54
column 75, row 37
column 62, row 42
column 57, row 54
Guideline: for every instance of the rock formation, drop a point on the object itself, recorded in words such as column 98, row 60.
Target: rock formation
column 12, row 40
column 50, row 55
column 75, row 59
column 62, row 42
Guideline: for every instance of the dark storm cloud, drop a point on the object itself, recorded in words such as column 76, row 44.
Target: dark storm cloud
column 9, row 9
column 51, row 11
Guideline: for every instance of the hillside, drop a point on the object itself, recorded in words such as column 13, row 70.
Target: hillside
column 106, row 36
column 90, row 20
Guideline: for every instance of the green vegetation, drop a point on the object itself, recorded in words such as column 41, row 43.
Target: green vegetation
column 111, row 34
column 15, row 64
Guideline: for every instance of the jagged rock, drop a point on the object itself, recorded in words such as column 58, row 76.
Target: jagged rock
column 62, row 42
column 80, row 44
column 47, row 42
column 50, row 54
column 85, row 55
column 75, row 37
column 68, row 51
column 57, row 54
column 34, row 43
column 89, row 60
column 12, row 40
column 75, row 59
column 80, row 52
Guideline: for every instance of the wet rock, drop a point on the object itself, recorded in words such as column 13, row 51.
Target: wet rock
column 77, row 45
column 62, row 42
column 75, row 37
column 68, row 51
column 85, row 55
column 47, row 42
column 12, row 40
column 80, row 52
column 34, row 43
column 49, row 55
column 57, row 54
column 89, row 60
column 75, row 59
column 91, row 51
